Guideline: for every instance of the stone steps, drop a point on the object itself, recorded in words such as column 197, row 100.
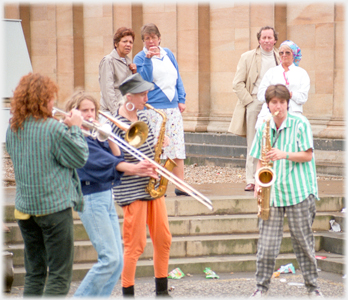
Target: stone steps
column 225, row 239
column 196, row 225
column 195, row 265
column 194, row 246
column 225, row 149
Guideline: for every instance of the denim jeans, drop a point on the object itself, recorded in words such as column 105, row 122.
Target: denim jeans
column 48, row 247
column 102, row 226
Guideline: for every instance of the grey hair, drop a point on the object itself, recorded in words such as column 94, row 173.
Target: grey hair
column 123, row 100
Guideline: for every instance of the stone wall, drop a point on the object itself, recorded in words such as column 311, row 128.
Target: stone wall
column 67, row 41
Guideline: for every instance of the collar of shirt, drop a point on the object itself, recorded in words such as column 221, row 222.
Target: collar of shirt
column 282, row 126
column 125, row 60
column 267, row 53
column 290, row 67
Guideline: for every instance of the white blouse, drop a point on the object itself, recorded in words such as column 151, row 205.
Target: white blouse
column 164, row 73
column 296, row 80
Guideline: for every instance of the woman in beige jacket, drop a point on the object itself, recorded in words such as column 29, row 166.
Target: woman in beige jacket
column 114, row 68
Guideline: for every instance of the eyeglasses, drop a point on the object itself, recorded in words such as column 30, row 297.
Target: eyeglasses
column 152, row 37
column 286, row 53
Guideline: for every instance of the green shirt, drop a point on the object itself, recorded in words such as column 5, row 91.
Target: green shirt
column 294, row 181
column 45, row 155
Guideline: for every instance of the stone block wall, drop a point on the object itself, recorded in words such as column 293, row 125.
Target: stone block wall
column 66, row 41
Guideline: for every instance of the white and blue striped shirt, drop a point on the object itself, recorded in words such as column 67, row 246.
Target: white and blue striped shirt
column 132, row 187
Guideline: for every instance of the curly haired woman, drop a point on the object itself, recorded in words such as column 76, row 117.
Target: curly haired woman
column 45, row 154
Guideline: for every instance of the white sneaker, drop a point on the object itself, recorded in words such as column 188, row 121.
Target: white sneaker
column 315, row 293
column 258, row 294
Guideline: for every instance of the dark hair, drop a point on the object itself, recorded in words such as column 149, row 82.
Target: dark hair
column 150, row 29
column 122, row 32
column 31, row 98
column 267, row 28
column 279, row 91
column 77, row 97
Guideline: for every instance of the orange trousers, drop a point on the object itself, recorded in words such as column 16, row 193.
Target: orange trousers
column 136, row 216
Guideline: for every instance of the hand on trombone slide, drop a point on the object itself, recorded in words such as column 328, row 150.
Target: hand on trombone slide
column 142, row 168
column 72, row 118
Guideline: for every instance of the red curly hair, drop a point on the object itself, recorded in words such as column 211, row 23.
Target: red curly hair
column 31, row 98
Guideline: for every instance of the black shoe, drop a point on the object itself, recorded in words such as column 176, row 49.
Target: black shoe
column 162, row 287
column 128, row 292
column 180, row 193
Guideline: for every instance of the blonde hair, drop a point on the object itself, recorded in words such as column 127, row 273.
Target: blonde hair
column 77, row 97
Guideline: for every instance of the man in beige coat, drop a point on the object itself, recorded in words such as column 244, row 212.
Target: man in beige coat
column 251, row 67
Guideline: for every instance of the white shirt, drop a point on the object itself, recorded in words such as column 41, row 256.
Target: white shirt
column 164, row 73
column 267, row 61
column 296, row 80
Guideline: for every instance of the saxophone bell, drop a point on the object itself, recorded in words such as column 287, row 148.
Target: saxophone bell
column 265, row 177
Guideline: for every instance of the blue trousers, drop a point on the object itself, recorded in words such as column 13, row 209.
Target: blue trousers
column 48, row 250
column 102, row 226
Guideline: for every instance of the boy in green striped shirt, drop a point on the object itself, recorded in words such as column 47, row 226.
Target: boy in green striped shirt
column 293, row 192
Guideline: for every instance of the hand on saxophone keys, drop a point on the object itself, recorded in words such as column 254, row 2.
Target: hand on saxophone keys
column 275, row 154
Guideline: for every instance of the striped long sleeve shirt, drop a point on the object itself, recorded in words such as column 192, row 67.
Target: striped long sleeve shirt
column 132, row 187
column 45, row 155
column 294, row 181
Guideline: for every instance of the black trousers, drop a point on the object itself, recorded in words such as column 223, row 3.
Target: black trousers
column 48, row 253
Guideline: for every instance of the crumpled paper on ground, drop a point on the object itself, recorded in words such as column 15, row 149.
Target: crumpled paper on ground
column 335, row 227
column 289, row 268
column 210, row 274
column 176, row 274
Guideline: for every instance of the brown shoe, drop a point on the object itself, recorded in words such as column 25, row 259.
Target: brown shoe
column 249, row 187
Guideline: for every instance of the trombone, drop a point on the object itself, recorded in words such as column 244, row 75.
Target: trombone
column 141, row 156
column 104, row 132
column 96, row 131
column 162, row 171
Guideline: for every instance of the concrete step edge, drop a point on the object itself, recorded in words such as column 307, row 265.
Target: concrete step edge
column 196, row 226
column 187, row 246
column 236, row 263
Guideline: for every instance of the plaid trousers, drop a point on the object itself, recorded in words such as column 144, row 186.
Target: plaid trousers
column 300, row 219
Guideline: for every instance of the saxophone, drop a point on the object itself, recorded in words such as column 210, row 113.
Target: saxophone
column 169, row 164
column 265, row 176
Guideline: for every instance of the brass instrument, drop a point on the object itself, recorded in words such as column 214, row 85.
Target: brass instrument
column 161, row 171
column 101, row 132
column 265, row 176
column 169, row 164
column 136, row 134
column 95, row 130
